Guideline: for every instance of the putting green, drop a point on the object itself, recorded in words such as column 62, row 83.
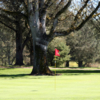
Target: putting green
column 16, row 85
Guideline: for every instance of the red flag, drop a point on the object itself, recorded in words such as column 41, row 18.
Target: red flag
column 57, row 53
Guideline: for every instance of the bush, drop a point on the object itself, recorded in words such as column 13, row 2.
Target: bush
column 60, row 44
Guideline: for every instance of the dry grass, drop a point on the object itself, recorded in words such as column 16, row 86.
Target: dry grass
column 73, row 64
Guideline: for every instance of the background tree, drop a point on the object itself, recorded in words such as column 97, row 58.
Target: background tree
column 29, row 46
column 6, row 45
column 84, row 44
column 60, row 44
column 18, row 25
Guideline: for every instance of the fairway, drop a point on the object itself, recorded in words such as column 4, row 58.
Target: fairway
column 72, row 84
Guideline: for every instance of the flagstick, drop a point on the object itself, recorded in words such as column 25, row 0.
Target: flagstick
column 55, row 72
column 56, row 54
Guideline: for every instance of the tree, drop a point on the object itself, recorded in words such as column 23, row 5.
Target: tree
column 84, row 44
column 37, row 15
column 37, row 24
column 62, row 47
column 17, row 24
column 6, row 45
column 29, row 46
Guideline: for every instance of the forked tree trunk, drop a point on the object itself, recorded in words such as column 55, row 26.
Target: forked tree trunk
column 37, row 22
column 41, row 63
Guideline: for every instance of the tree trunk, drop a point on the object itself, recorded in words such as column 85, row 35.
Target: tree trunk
column 37, row 22
column 67, row 63
column 80, row 63
column 2, row 61
column 31, row 58
column 41, row 63
column 31, row 55
column 8, row 53
column 19, row 56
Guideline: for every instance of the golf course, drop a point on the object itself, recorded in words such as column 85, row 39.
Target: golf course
column 69, row 84
column 49, row 49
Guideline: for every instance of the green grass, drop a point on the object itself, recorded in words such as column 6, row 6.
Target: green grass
column 72, row 84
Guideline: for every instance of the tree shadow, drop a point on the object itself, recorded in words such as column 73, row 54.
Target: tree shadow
column 13, row 75
column 77, row 72
column 19, row 76
column 59, row 72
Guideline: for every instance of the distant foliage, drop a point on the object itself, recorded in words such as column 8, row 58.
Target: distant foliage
column 85, row 44
column 64, row 50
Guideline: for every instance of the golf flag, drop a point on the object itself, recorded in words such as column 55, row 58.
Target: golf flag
column 57, row 53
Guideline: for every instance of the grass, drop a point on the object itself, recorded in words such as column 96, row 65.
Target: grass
column 72, row 84
column 73, row 64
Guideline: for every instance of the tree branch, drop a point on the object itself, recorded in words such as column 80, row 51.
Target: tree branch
column 49, row 3
column 56, row 19
column 14, row 13
column 67, row 32
column 84, row 21
column 26, row 40
column 59, row 4
column 7, row 18
column 63, row 9
column 81, row 9
column 95, row 15
column 8, row 26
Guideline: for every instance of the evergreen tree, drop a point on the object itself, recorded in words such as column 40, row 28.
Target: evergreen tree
column 60, row 44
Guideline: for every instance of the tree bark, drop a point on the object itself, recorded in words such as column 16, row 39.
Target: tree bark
column 67, row 63
column 8, row 53
column 80, row 63
column 19, row 55
column 2, row 61
column 41, row 62
column 31, row 54
column 37, row 26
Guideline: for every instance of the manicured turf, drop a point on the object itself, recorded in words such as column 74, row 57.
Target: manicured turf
column 73, row 84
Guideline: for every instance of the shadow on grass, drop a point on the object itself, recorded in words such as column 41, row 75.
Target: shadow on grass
column 13, row 75
column 77, row 72
column 65, row 72
column 18, row 76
